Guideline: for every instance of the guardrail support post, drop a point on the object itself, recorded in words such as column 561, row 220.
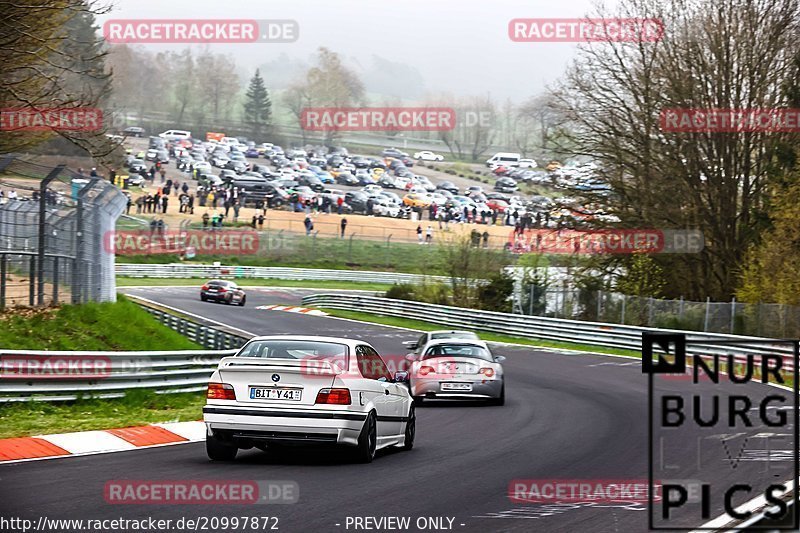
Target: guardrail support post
column 733, row 314
column 708, row 308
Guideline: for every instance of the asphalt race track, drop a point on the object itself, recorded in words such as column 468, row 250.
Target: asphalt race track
column 567, row 416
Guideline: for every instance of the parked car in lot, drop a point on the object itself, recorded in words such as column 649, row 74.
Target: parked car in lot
column 497, row 205
column 307, row 390
column 133, row 131
column 383, row 207
column 175, row 135
column 346, row 178
column 427, row 155
column 393, row 152
column 225, row 291
column 236, row 165
column 447, row 186
column 527, row 163
column 135, row 180
column 456, row 368
column 387, row 181
column 505, row 185
column 137, row 166
column 364, row 177
column 312, row 182
column 416, row 200
column 357, row 200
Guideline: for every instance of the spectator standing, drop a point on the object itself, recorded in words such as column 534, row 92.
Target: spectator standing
column 419, row 233
column 339, row 204
column 205, row 220
column 236, row 207
column 429, row 234
column 343, row 223
column 309, row 224
column 261, row 221
column 164, row 202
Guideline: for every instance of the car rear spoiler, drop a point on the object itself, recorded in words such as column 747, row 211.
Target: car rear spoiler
column 310, row 366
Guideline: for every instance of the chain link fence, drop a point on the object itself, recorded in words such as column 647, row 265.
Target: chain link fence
column 54, row 223
column 757, row 319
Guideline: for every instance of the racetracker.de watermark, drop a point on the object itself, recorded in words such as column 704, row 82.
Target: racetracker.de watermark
column 202, row 242
column 227, row 31
column 85, row 119
column 28, row 366
column 607, row 241
column 579, row 490
column 200, row 492
column 378, row 118
column 696, row 120
column 546, row 30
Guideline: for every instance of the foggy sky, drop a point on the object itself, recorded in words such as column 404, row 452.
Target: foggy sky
column 457, row 47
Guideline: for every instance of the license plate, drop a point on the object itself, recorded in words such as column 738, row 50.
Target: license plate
column 457, row 386
column 274, row 393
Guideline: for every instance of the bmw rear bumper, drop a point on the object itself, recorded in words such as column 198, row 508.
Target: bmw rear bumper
column 246, row 425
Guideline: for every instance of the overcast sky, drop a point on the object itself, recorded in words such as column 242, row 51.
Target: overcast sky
column 459, row 47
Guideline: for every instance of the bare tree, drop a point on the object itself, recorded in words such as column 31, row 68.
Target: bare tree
column 725, row 54
column 51, row 57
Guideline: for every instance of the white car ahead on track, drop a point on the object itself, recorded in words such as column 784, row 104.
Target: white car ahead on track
column 305, row 389
column 457, row 368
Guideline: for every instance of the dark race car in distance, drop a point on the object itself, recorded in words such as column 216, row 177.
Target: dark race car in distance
column 220, row 290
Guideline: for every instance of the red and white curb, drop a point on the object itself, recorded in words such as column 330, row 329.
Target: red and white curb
column 293, row 309
column 101, row 441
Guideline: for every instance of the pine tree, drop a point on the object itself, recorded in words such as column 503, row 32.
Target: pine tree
column 257, row 107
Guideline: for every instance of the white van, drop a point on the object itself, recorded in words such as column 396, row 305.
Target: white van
column 175, row 135
column 506, row 159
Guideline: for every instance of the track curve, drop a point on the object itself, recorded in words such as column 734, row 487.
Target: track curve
column 567, row 416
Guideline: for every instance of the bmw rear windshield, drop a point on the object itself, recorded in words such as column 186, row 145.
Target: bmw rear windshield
column 332, row 352
column 473, row 351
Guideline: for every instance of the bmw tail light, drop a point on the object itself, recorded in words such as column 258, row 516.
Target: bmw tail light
column 204, row 288
column 220, row 391
column 334, row 396
column 425, row 370
column 488, row 372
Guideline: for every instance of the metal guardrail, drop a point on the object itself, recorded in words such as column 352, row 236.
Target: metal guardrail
column 545, row 328
column 45, row 375
column 181, row 270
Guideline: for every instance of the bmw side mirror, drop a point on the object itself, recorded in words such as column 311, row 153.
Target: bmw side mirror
column 411, row 345
column 499, row 358
column 401, row 377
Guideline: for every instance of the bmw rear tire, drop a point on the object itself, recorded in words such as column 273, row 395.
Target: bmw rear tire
column 367, row 440
column 218, row 450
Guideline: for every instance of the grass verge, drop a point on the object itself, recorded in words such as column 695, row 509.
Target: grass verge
column 485, row 335
column 122, row 325
column 137, row 408
column 247, row 282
